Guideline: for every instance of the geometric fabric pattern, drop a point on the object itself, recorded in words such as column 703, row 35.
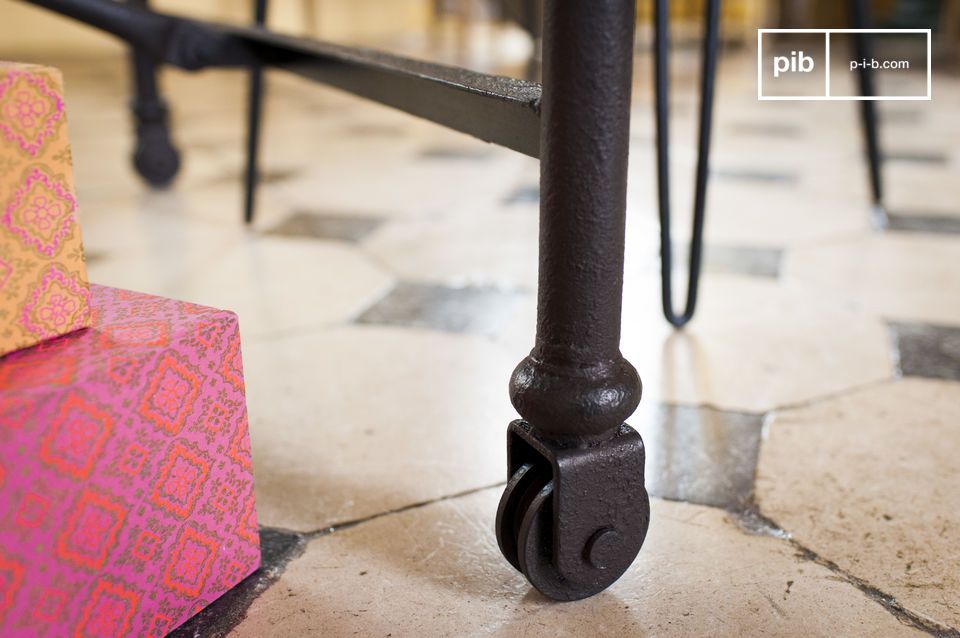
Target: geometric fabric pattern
column 126, row 488
column 43, row 280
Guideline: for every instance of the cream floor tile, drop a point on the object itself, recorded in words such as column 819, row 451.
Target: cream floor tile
column 103, row 150
column 192, row 246
column 149, row 251
column 754, row 344
column 778, row 215
column 896, row 276
column 922, row 188
column 869, row 481
column 355, row 421
column 217, row 203
column 496, row 248
column 283, row 284
column 436, row 571
column 408, row 184
column 749, row 212
column 152, row 275
column 154, row 223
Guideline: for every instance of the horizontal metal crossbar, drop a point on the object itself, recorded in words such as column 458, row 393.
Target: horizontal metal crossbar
column 497, row 109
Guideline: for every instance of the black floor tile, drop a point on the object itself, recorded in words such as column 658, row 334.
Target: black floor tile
column 266, row 176
column 916, row 157
column 922, row 223
column 755, row 175
column 744, row 260
column 783, row 130
column 277, row 549
column 526, row 194
column 701, row 455
column 752, row 261
column 326, row 226
column 374, row 130
column 444, row 153
column 468, row 310
column 927, row 350
column 900, row 116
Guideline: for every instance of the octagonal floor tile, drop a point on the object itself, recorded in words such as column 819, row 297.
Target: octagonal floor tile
column 896, row 276
column 282, row 284
column 436, row 570
column 753, row 346
column 360, row 420
column 869, row 481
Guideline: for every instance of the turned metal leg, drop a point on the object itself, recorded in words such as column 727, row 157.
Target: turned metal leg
column 154, row 157
column 575, row 512
column 254, row 114
column 861, row 18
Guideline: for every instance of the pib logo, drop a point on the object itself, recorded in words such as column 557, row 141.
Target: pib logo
column 796, row 62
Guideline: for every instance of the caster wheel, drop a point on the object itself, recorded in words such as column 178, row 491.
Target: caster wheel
column 522, row 488
column 155, row 158
column 525, row 533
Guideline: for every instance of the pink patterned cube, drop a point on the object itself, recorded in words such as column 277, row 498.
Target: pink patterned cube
column 126, row 491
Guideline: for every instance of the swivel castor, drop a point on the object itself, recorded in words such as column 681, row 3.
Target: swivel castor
column 572, row 519
column 155, row 158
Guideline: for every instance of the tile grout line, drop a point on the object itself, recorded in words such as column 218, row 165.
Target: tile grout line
column 226, row 613
column 829, row 396
column 748, row 518
column 336, row 527
column 752, row 521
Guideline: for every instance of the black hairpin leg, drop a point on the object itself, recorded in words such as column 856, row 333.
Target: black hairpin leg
column 862, row 19
column 707, row 82
column 154, row 157
column 575, row 512
column 254, row 116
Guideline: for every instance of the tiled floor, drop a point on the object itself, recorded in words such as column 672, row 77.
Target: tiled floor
column 803, row 433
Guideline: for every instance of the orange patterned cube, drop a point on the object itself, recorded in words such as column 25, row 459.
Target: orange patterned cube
column 43, row 280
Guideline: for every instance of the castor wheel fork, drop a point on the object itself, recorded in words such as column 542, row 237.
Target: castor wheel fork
column 575, row 512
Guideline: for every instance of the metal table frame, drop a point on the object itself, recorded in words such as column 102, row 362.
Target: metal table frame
column 575, row 511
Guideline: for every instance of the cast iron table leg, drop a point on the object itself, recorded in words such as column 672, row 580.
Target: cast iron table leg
column 154, row 157
column 575, row 511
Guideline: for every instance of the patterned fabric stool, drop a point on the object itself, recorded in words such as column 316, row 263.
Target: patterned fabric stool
column 126, row 488
column 43, row 281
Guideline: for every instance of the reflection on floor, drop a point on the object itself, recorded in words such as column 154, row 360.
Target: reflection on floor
column 802, row 432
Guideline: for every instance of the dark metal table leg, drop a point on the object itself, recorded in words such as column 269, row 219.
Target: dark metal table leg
column 862, row 19
column 575, row 512
column 707, row 82
column 154, row 157
column 254, row 115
